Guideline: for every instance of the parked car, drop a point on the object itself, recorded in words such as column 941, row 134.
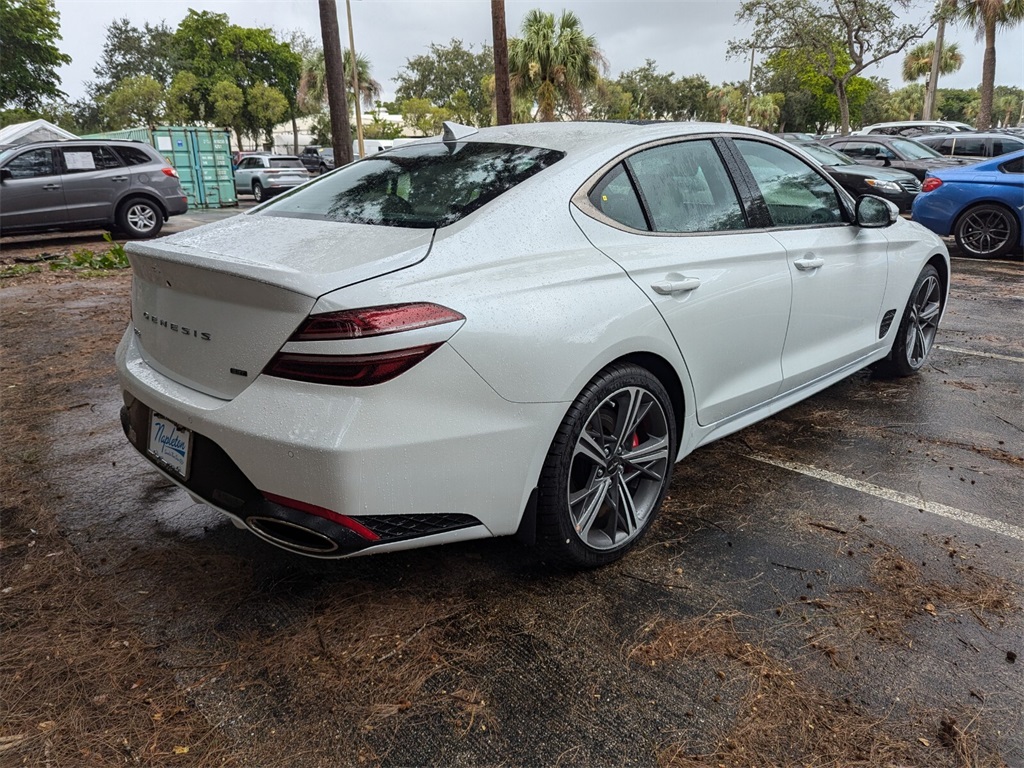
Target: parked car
column 318, row 159
column 894, row 185
column 981, row 205
column 893, row 152
column 974, row 146
column 914, row 128
column 237, row 156
column 86, row 184
column 510, row 329
column 264, row 175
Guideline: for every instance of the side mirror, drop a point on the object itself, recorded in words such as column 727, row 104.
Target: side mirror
column 875, row 213
column 5, row 174
column 883, row 159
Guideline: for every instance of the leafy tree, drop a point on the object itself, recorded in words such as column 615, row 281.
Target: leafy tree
column 956, row 104
column 266, row 106
column 864, row 31
column 609, row 100
column 381, row 129
column 184, row 100
column 657, row 96
column 228, row 103
column 130, row 51
column 554, row 61
column 29, row 31
column 918, row 61
column 906, row 103
column 726, row 100
column 1007, row 104
column 423, row 116
column 987, row 16
column 134, row 101
column 447, row 69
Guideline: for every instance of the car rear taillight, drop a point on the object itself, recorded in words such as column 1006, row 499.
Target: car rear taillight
column 326, row 514
column 367, row 369
column 374, row 321
column 168, row 171
column 931, row 183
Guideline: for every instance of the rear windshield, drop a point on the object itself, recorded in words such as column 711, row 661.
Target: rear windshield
column 286, row 162
column 421, row 185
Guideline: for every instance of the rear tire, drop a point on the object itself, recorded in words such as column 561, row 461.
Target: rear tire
column 140, row 218
column 920, row 323
column 258, row 192
column 989, row 231
column 607, row 470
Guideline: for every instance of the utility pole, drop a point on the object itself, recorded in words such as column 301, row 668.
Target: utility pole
column 750, row 88
column 355, row 79
column 341, row 135
column 502, row 88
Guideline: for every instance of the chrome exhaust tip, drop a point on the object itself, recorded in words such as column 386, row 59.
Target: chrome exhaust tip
column 291, row 536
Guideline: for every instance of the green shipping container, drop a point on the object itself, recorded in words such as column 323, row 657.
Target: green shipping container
column 201, row 156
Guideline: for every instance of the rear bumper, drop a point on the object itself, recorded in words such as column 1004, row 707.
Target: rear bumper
column 434, row 455
column 176, row 204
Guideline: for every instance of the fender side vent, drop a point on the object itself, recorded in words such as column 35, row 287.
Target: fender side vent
column 887, row 319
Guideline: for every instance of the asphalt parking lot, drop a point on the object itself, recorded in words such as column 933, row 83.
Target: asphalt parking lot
column 838, row 585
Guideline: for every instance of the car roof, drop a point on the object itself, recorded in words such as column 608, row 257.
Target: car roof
column 966, row 135
column 584, row 137
column 80, row 142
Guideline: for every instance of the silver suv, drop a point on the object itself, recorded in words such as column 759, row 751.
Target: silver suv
column 264, row 175
column 82, row 184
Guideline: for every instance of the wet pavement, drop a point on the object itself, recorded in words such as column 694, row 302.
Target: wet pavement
column 839, row 583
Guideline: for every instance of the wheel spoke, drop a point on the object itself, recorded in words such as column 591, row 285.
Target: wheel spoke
column 629, row 418
column 588, row 447
column 627, row 513
column 646, row 455
column 591, row 499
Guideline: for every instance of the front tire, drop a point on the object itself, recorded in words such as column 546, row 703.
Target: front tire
column 920, row 323
column 608, row 468
column 987, row 230
column 140, row 218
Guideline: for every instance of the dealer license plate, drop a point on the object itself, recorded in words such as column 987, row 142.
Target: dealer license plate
column 170, row 444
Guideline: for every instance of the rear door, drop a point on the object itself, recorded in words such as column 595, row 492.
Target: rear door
column 671, row 217
column 34, row 195
column 94, row 180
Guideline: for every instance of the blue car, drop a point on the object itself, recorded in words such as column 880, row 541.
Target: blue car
column 981, row 205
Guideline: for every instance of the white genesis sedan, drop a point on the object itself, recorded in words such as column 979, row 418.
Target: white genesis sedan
column 510, row 330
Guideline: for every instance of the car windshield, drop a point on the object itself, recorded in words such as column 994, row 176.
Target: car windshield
column 913, row 150
column 423, row 185
column 327, row 152
column 826, row 155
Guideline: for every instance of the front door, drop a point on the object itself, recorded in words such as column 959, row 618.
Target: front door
column 34, row 194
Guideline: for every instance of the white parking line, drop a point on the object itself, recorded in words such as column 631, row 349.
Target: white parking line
column 993, row 355
column 907, row 500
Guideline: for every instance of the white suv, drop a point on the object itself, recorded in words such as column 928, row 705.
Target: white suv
column 264, row 175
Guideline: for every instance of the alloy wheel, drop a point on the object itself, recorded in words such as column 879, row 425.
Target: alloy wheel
column 141, row 218
column 925, row 308
column 618, row 468
column 985, row 231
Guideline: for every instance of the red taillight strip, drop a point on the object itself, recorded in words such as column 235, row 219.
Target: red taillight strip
column 374, row 321
column 347, row 370
column 168, row 171
column 931, row 183
column 326, row 514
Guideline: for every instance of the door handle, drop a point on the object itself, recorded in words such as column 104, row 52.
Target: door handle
column 808, row 263
column 119, row 178
column 51, row 186
column 678, row 284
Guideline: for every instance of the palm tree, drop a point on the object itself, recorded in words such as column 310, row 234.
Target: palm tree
column 918, row 61
column 552, row 60
column 312, row 85
column 986, row 16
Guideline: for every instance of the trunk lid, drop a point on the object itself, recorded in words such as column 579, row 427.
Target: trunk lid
column 211, row 306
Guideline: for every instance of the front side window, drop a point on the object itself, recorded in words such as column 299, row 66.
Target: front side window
column 422, row 185
column 686, row 188
column 795, row 193
column 32, row 164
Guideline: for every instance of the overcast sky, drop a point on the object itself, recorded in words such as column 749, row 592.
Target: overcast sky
column 683, row 36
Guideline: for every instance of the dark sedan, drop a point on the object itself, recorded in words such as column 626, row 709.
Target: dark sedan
column 894, row 152
column 898, row 186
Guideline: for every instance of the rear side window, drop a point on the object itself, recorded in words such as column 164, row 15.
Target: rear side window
column 795, row 193
column 686, row 188
column 84, row 159
column 615, row 197
column 1013, row 166
column 422, row 185
column 134, row 155
column 967, row 146
column 1004, row 144
column 286, row 162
